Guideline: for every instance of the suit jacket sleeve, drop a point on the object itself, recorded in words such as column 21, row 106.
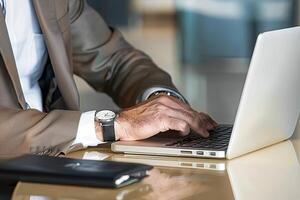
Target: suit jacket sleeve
column 32, row 131
column 107, row 62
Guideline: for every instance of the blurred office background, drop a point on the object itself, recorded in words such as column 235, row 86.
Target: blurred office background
column 204, row 44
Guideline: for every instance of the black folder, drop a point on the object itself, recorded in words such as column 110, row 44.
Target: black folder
column 61, row 170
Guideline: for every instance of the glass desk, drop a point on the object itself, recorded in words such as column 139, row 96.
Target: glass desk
column 270, row 173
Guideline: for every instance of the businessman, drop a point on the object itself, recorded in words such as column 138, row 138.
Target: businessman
column 43, row 43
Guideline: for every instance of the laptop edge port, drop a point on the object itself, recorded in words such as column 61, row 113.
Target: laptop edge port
column 212, row 153
column 186, row 152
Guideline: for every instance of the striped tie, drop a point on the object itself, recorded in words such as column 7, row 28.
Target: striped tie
column 2, row 6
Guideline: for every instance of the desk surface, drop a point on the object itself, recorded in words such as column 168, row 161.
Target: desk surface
column 271, row 173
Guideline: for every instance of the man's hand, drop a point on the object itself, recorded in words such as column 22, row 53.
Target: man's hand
column 159, row 114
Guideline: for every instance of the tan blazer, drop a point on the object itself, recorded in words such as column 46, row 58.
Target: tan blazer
column 78, row 42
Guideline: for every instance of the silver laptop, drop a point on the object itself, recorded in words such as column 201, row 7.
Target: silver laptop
column 268, row 110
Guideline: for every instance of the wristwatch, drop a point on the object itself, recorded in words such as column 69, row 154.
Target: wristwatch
column 154, row 91
column 106, row 119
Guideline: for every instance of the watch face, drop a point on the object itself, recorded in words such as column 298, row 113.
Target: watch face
column 105, row 115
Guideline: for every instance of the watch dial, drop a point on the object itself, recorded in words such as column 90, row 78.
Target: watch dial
column 105, row 115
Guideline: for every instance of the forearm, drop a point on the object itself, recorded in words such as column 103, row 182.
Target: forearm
column 32, row 131
column 134, row 74
column 125, row 74
column 107, row 61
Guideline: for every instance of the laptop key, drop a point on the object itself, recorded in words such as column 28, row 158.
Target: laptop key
column 219, row 139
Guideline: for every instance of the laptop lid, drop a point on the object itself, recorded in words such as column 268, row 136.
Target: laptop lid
column 270, row 102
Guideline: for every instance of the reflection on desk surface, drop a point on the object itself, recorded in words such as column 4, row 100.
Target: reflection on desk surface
column 172, row 162
column 160, row 185
column 271, row 173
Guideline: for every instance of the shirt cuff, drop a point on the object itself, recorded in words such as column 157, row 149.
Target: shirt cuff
column 86, row 133
column 147, row 93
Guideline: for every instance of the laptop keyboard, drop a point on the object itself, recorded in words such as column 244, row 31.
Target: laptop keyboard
column 218, row 139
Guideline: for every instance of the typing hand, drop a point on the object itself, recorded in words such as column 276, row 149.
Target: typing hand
column 159, row 114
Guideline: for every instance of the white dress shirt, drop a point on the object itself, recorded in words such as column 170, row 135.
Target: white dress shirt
column 30, row 55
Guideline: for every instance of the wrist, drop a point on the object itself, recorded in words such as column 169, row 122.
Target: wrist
column 157, row 90
column 99, row 131
column 104, row 124
column 120, row 128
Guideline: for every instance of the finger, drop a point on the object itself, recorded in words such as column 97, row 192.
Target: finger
column 205, row 123
column 212, row 123
column 182, row 126
column 194, row 121
column 209, row 126
column 204, row 133
column 211, row 120
column 170, row 123
column 177, row 109
column 179, row 105
column 173, row 102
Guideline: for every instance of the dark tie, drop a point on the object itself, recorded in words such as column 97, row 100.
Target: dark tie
column 2, row 6
column 49, row 87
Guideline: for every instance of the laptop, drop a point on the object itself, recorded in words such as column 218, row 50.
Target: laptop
column 267, row 114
